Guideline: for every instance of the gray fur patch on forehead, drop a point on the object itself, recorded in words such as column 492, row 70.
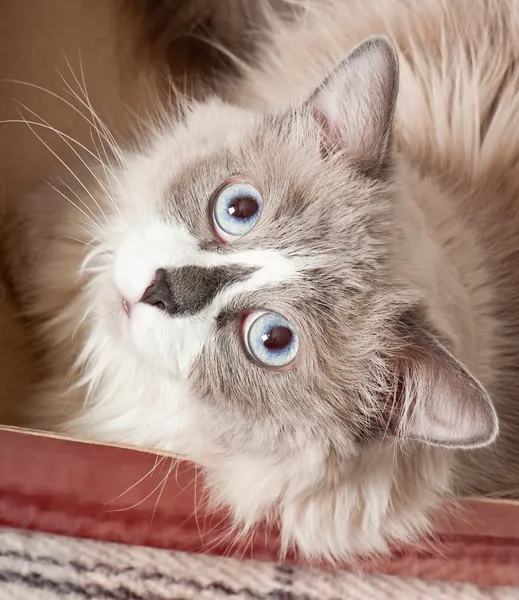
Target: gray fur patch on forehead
column 316, row 207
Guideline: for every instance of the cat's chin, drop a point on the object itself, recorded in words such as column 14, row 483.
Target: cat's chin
column 378, row 502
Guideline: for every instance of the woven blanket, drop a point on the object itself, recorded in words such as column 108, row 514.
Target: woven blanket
column 43, row 567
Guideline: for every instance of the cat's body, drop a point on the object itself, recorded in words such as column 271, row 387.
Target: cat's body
column 386, row 263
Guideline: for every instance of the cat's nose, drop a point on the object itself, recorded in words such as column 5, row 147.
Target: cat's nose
column 187, row 290
column 158, row 293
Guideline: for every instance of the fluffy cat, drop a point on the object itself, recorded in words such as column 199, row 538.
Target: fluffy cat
column 313, row 294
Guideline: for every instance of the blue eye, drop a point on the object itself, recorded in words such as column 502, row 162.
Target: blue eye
column 236, row 210
column 270, row 339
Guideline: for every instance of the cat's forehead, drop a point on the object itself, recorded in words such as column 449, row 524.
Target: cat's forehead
column 205, row 129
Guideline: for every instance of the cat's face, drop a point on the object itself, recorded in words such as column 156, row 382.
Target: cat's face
column 260, row 266
column 301, row 264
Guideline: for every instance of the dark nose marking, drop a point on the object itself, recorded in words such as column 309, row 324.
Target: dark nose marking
column 187, row 290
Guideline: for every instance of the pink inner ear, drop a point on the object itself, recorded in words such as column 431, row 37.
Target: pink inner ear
column 354, row 106
column 436, row 399
column 440, row 401
column 331, row 141
column 451, row 421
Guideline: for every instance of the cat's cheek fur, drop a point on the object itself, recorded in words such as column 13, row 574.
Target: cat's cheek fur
column 171, row 345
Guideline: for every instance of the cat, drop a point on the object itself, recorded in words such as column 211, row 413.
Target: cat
column 307, row 288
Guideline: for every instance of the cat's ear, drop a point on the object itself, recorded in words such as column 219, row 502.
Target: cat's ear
column 355, row 105
column 438, row 400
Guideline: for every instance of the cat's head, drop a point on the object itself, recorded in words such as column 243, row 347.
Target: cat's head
column 269, row 265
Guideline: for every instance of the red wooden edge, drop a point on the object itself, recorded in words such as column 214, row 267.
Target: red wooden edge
column 129, row 496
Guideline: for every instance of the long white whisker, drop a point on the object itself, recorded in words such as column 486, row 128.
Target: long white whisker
column 172, row 464
column 107, row 134
column 101, row 185
column 97, row 225
column 147, row 474
column 62, row 162
column 54, row 95
column 91, row 123
column 45, row 125
column 115, row 146
column 157, row 487
column 88, row 232
column 73, row 239
column 109, row 175
column 97, row 157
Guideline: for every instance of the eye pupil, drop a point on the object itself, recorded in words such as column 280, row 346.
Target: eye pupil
column 277, row 338
column 243, row 207
column 269, row 339
column 236, row 210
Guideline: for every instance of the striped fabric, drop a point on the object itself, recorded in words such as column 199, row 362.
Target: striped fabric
column 44, row 567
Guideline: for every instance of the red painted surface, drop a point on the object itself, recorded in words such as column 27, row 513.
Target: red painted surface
column 133, row 497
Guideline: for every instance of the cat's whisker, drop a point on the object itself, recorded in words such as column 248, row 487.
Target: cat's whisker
column 91, row 123
column 211, row 513
column 99, row 224
column 73, row 239
column 176, row 473
column 101, row 129
column 241, row 540
column 230, row 534
column 31, row 127
column 218, row 539
column 54, row 95
column 45, row 125
column 96, row 225
column 174, row 461
column 65, row 137
column 236, row 541
column 146, row 475
column 195, row 500
column 90, row 170
column 113, row 143
column 89, row 233
column 93, row 240
column 103, row 133
column 209, row 510
column 249, row 544
column 99, row 250
column 100, row 125
column 159, row 113
column 133, row 486
column 107, row 162
column 109, row 175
